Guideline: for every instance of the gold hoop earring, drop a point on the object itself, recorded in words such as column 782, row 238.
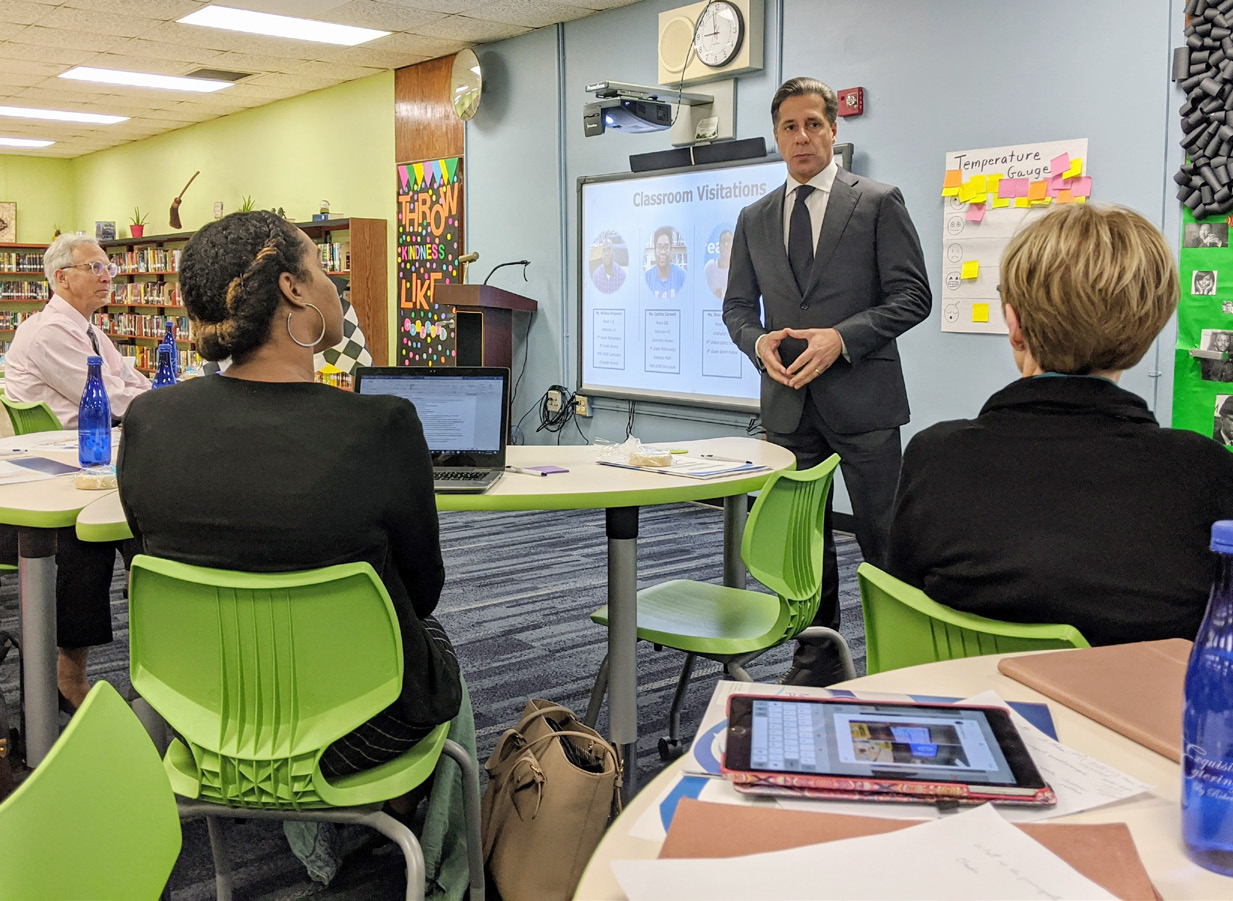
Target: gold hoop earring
column 319, row 337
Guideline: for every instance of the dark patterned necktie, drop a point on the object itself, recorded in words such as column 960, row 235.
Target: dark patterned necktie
column 800, row 238
column 93, row 340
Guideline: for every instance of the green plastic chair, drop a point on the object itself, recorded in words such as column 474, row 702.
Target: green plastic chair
column 258, row 674
column 34, row 416
column 782, row 549
column 905, row 627
column 97, row 818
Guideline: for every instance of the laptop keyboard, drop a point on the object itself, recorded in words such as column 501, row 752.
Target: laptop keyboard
column 459, row 475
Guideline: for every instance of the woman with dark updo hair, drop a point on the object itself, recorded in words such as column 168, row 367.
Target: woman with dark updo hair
column 262, row 470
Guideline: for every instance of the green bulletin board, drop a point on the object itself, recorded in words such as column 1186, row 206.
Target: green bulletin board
column 1204, row 322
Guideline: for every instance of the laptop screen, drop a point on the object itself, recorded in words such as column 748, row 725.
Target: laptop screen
column 461, row 410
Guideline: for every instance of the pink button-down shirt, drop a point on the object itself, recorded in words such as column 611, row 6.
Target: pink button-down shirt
column 47, row 361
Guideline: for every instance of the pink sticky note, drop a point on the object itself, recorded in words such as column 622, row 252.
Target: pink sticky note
column 1056, row 183
column 1059, row 164
column 1081, row 187
column 1013, row 187
column 976, row 212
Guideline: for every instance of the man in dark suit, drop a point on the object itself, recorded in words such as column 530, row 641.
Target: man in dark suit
column 835, row 262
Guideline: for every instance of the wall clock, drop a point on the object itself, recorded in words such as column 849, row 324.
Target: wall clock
column 719, row 34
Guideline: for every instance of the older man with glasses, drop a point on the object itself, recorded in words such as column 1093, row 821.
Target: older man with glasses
column 47, row 362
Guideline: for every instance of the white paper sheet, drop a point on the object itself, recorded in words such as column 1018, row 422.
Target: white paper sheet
column 971, row 855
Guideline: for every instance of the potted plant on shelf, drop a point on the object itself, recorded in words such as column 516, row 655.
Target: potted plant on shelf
column 138, row 228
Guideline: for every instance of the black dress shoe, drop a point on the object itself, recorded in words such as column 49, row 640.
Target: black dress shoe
column 66, row 706
column 825, row 672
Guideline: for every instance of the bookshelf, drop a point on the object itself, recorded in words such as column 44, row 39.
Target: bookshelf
column 23, row 288
column 362, row 258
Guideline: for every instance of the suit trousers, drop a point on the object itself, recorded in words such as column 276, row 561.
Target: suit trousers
column 83, row 585
column 870, row 464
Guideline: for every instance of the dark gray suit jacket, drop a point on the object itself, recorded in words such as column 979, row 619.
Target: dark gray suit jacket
column 868, row 282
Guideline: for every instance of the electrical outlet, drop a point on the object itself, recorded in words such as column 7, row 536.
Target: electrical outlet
column 582, row 406
column 554, row 401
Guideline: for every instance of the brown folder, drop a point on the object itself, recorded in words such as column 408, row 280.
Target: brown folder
column 1103, row 853
column 1134, row 689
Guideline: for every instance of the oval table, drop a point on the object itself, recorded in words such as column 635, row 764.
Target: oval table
column 1154, row 817
column 588, row 485
column 37, row 509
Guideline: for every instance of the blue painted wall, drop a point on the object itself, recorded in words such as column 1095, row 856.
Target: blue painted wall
column 938, row 76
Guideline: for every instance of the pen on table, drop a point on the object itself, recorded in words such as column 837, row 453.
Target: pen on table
column 525, row 472
column 725, row 459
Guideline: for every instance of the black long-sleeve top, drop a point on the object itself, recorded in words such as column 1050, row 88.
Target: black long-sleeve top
column 1064, row 502
column 278, row 477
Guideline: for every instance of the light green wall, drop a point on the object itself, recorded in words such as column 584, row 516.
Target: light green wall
column 336, row 144
column 44, row 192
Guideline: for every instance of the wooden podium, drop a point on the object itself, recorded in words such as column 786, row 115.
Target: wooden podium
column 483, row 322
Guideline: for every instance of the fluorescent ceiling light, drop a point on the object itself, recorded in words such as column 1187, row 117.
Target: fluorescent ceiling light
column 21, row 112
column 145, row 79
column 251, row 22
column 24, row 142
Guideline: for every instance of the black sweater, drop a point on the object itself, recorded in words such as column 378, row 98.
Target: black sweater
column 278, row 477
column 1064, row 502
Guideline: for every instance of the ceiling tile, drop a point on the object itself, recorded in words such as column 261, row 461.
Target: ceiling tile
column 153, row 9
column 416, row 43
column 380, row 15
column 381, row 59
column 466, row 28
column 534, row 13
column 129, row 63
column 19, row 13
column 43, row 53
column 27, row 67
column 14, row 79
column 278, row 81
column 66, row 39
column 248, row 62
column 92, row 21
column 442, row 6
column 143, row 48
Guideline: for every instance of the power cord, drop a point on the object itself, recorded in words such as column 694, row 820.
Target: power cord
column 556, row 420
column 680, row 88
column 629, row 423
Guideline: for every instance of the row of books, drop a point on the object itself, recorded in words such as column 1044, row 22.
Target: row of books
column 155, row 294
column 21, row 261
column 141, row 325
column 335, row 378
column 146, row 356
column 24, row 290
column 335, row 257
column 147, row 259
column 10, row 319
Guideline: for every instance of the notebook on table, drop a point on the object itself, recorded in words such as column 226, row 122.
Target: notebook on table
column 1134, row 689
column 465, row 414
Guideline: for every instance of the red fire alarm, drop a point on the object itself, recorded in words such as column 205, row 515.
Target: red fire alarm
column 851, row 102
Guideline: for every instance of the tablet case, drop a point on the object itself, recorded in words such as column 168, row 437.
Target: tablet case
column 1133, row 689
column 1104, row 853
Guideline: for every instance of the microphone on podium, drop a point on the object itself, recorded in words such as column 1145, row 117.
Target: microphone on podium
column 465, row 260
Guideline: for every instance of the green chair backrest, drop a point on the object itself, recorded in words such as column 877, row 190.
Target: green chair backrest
column 260, row 672
column 97, row 818
column 905, row 627
column 34, row 416
column 783, row 541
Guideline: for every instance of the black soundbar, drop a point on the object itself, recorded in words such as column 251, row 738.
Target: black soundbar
column 682, row 157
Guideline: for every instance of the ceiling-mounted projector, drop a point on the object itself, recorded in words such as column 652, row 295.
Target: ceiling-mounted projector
column 632, row 108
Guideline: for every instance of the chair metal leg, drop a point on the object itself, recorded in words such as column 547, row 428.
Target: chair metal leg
column 678, row 698
column 838, row 641
column 471, row 807
column 155, row 725
column 734, row 669
column 411, row 851
column 222, row 862
column 597, row 694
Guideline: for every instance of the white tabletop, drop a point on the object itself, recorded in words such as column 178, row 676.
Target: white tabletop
column 1154, row 818
column 46, row 503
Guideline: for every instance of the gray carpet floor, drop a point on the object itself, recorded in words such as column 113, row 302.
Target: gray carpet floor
column 519, row 591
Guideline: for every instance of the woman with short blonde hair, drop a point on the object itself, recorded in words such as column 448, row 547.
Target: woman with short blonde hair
column 1064, row 501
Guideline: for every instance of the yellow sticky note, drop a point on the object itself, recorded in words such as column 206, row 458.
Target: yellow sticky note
column 1080, row 200
column 1022, row 203
column 1044, row 201
column 980, row 312
column 978, row 184
column 966, row 191
column 1076, row 168
column 954, row 178
column 971, row 269
column 950, row 192
column 999, row 202
column 980, row 197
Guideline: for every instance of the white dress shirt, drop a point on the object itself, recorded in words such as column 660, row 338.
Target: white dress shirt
column 815, row 202
column 47, row 362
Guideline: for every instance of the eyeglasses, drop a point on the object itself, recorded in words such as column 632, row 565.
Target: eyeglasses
column 96, row 267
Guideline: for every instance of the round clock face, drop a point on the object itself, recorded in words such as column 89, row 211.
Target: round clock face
column 720, row 33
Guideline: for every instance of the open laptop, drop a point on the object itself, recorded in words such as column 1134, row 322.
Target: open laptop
column 465, row 413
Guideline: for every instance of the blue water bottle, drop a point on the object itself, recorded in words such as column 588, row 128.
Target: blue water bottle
column 166, row 373
column 169, row 341
column 1207, row 724
column 94, row 419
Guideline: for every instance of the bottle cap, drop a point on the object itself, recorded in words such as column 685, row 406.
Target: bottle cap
column 94, row 360
column 1222, row 536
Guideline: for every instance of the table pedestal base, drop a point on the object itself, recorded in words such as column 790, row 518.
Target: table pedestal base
column 36, row 549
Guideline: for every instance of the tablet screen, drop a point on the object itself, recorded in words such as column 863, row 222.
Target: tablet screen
column 876, row 740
